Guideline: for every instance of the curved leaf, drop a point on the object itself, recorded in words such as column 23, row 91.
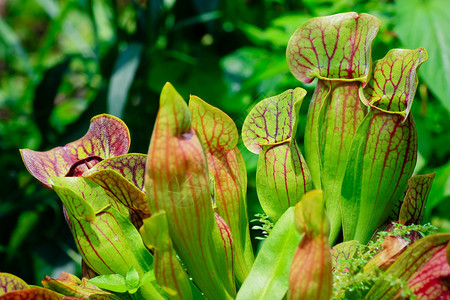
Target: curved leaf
column 108, row 136
column 381, row 160
column 431, row 281
column 394, row 82
column 10, row 283
column 336, row 47
column 177, row 178
column 282, row 177
column 219, row 136
column 168, row 271
column 32, row 293
column 70, row 285
column 310, row 275
column 408, row 264
column 413, row 206
column 273, row 120
column 108, row 242
column 131, row 166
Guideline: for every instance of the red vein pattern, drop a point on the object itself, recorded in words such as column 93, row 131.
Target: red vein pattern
column 282, row 177
column 343, row 251
column 379, row 165
column 394, row 81
column 408, row 264
column 9, row 283
column 333, row 47
column 168, row 270
column 342, row 114
column 70, row 285
column 310, row 275
column 35, row 293
column 177, row 178
column 219, row 137
column 431, row 282
column 413, row 207
column 272, row 120
column 131, row 166
column 108, row 136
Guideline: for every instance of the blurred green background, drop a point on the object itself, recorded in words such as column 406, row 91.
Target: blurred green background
column 62, row 62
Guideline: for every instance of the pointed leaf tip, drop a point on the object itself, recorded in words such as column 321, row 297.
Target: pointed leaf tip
column 174, row 111
column 216, row 129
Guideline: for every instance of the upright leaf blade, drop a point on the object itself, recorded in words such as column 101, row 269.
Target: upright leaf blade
column 168, row 271
column 413, row 207
column 384, row 150
column 381, row 160
column 268, row 278
column 340, row 116
column 177, row 178
column 219, row 136
column 310, row 275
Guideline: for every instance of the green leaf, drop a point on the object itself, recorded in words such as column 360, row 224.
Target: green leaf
column 269, row 130
column 440, row 191
column 394, row 81
column 113, row 282
column 310, row 275
column 268, row 278
column 282, row 177
column 273, row 120
column 376, row 176
column 219, row 136
column 132, row 280
column 70, row 285
column 108, row 242
column 10, row 283
column 336, row 47
column 413, row 206
column 425, row 24
column 122, row 78
column 108, row 136
column 178, row 181
column 313, row 127
column 169, row 272
column 343, row 251
column 384, row 149
column 339, row 118
column 122, row 178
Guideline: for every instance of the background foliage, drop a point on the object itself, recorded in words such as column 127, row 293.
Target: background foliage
column 62, row 62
